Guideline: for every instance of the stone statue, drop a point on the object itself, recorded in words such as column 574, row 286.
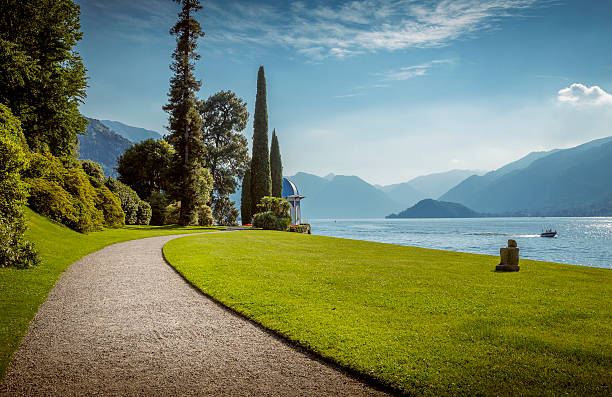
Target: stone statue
column 509, row 258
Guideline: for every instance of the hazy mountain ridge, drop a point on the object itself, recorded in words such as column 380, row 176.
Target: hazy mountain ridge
column 133, row 134
column 102, row 145
column 564, row 181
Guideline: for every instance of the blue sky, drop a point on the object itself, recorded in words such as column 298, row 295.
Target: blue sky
column 387, row 90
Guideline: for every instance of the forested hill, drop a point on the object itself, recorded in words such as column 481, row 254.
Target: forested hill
column 134, row 134
column 102, row 145
column 429, row 208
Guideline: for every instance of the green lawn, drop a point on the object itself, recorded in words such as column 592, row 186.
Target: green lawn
column 22, row 291
column 422, row 321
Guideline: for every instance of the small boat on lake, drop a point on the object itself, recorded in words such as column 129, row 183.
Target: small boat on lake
column 549, row 233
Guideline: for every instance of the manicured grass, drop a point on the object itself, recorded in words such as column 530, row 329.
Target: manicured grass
column 422, row 321
column 22, row 291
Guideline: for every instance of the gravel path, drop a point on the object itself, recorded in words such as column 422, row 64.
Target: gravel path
column 122, row 322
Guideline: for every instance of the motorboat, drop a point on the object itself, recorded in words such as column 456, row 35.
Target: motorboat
column 548, row 233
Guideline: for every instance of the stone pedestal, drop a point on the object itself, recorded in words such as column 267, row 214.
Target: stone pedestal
column 509, row 258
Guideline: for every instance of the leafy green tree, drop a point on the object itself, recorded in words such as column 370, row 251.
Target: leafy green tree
column 185, row 124
column 261, row 184
column 246, row 209
column 14, row 250
column 224, row 115
column 276, row 167
column 144, row 166
column 273, row 214
column 43, row 79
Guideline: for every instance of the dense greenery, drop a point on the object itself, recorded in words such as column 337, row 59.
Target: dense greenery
column 246, row 210
column 137, row 211
column 425, row 322
column 224, row 115
column 22, row 291
column 43, row 78
column 273, row 214
column 185, row 124
column 144, row 166
column 276, row 167
column 14, row 250
column 261, row 184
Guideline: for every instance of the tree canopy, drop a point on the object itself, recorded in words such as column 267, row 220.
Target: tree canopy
column 261, row 184
column 276, row 167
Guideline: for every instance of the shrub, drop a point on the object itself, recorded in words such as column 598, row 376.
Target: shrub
column 94, row 172
column 205, row 217
column 173, row 212
column 110, row 205
column 144, row 213
column 273, row 215
column 14, row 250
column 128, row 197
column 268, row 221
column 303, row 228
column 158, row 202
column 49, row 199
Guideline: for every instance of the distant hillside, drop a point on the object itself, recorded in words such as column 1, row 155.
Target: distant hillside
column 341, row 197
column 404, row 193
column 133, row 134
column 102, row 145
column 435, row 185
column 559, row 180
column 429, row 208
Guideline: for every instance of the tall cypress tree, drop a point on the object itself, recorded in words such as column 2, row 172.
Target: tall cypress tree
column 245, row 198
column 185, row 124
column 261, row 184
column 276, row 167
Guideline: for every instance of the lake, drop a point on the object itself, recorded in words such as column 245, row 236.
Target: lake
column 580, row 241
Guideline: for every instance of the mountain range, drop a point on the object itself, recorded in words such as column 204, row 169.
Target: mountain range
column 105, row 140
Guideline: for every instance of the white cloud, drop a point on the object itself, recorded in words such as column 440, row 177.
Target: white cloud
column 579, row 94
column 320, row 30
column 409, row 72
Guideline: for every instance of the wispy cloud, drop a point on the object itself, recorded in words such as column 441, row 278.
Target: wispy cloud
column 319, row 30
column 349, row 95
column 409, row 72
column 580, row 94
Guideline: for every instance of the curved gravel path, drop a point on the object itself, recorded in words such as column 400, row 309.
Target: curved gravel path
column 122, row 322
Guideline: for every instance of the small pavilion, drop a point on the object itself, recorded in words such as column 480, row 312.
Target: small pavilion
column 291, row 194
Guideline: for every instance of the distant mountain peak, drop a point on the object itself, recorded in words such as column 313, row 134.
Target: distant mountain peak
column 133, row 134
column 329, row 176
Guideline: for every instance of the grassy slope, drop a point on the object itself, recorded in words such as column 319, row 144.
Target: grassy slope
column 422, row 321
column 22, row 291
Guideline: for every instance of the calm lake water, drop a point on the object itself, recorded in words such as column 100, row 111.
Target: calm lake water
column 580, row 241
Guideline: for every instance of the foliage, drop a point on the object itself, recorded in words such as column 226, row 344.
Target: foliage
column 246, row 209
column 14, row 250
column 276, row 167
column 173, row 213
column 261, row 184
column 302, row 228
column 128, row 197
column 23, row 291
column 94, row 171
column 144, row 166
column 273, row 214
column 143, row 216
column 110, row 204
column 205, row 216
column 158, row 202
column 43, row 78
column 63, row 194
column 185, row 124
column 423, row 321
column 224, row 212
column 224, row 115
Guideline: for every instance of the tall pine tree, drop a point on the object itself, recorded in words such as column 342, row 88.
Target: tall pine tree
column 276, row 167
column 261, row 184
column 245, row 198
column 185, row 124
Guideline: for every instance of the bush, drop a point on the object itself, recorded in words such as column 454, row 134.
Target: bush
column 303, row 228
column 144, row 213
column 273, row 215
column 94, row 172
column 205, row 217
column 14, row 250
column 49, row 199
column 173, row 212
column 128, row 197
column 158, row 202
column 268, row 221
column 110, row 205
